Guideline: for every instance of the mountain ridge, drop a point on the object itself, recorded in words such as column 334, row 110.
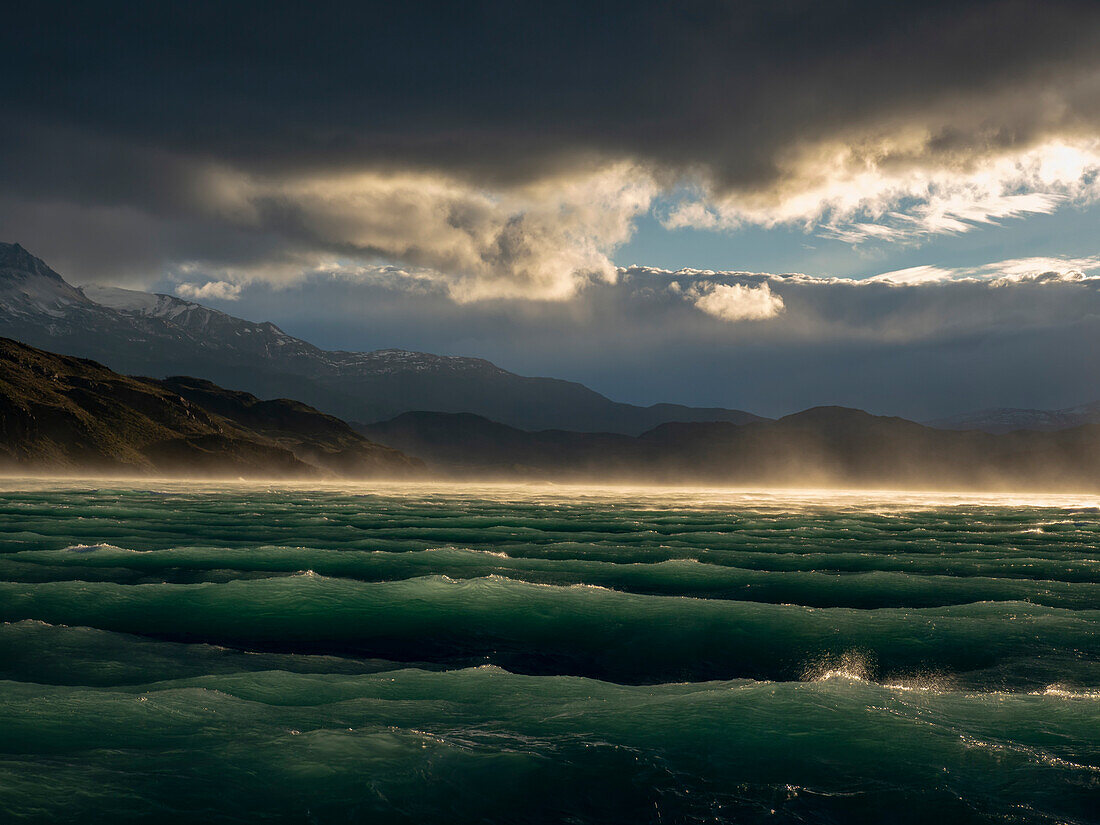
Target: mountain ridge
column 824, row 446
column 59, row 412
column 157, row 334
column 1007, row 419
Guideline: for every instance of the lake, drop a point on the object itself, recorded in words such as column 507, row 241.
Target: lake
column 180, row 652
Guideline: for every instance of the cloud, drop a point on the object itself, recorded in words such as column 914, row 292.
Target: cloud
column 920, row 349
column 1016, row 269
column 904, row 308
column 736, row 302
column 511, row 148
column 542, row 240
column 903, row 193
column 923, row 274
column 211, row 290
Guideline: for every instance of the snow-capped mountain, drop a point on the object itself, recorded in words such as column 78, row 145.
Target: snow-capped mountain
column 29, row 288
column 161, row 335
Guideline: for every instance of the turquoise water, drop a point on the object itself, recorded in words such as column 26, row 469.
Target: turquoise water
column 202, row 653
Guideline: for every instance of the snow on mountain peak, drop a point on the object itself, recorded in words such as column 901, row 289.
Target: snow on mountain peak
column 147, row 304
column 28, row 286
column 125, row 300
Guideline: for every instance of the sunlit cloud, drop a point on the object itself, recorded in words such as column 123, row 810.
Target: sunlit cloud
column 896, row 192
column 541, row 241
column 1015, row 269
column 211, row 290
column 735, row 302
column 914, row 275
column 546, row 238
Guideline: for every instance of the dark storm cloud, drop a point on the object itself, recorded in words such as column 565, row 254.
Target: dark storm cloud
column 511, row 146
column 516, row 89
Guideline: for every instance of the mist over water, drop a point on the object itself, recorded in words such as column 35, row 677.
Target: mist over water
column 179, row 651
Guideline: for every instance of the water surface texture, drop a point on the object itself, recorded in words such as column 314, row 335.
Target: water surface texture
column 240, row 653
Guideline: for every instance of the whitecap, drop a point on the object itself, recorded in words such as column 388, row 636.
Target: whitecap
column 1063, row 692
column 92, row 548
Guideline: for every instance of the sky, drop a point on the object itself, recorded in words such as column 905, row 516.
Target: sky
column 763, row 205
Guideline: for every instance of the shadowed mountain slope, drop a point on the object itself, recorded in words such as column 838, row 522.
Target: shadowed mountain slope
column 824, row 446
column 60, row 413
column 1008, row 419
column 470, row 444
column 160, row 335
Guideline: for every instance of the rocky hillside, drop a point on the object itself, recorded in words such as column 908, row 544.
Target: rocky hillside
column 59, row 413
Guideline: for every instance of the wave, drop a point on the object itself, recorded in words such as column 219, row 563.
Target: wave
column 485, row 743
column 192, row 654
column 687, row 577
column 548, row 629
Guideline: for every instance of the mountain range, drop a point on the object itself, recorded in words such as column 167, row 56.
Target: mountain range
column 61, row 413
column 160, row 335
column 824, row 446
column 1008, row 419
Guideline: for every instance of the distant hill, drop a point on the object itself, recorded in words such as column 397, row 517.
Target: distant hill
column 59, row 413
column 824, row 446
column 161, row 335
column 1007, row 419
column 466, row 444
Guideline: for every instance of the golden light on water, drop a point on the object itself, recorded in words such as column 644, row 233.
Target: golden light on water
column 641, row 495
